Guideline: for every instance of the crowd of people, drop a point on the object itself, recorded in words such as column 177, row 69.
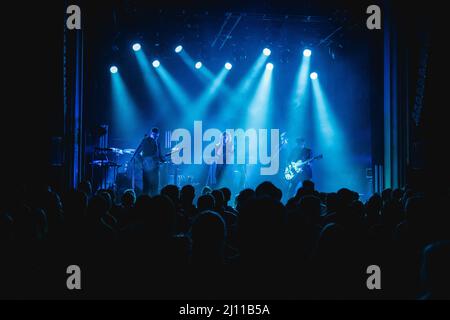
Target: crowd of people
column 188, row 243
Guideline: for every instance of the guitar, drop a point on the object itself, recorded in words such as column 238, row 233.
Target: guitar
column 150, row 163
column 295, row 168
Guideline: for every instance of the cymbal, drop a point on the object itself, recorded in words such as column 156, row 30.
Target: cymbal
column 129, row 151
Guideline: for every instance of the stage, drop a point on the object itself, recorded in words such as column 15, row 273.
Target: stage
column 310, row 77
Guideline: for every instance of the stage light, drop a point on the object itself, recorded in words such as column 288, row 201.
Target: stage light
column 307, row 53
column 178, row 94
column 156, row 63
column 267, row 52
column 258, row 115
column 136, row 47
column 228, row 66
column 314, row 75
column 113, row 69
column 198, row 65
column 179, row 49
column 269, row 66
column 124, row 112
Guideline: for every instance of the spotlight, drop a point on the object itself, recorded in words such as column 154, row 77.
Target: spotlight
column 113, row 69
column 307, row 53
column 269, row 66
column 198, row 65
column 314, row 75
column 267, row 52
column 179, row 49
column 136, row 47
column 156, row 63
column 228, row 66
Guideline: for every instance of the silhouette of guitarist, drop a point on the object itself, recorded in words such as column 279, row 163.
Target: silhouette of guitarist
column 151, row 157
column 300, row 152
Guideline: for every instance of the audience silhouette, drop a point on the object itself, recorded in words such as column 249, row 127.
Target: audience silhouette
column 216, row 244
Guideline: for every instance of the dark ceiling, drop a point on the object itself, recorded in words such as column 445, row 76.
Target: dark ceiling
column 220, row 26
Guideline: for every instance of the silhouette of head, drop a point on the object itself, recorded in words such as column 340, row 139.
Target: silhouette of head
column 205, row 202
column 435, row 268
column 187, row 194
column 128, row 198
column 154, row 133
column 268, row 189
column 308, row 185
column 172, row 192
column 386, row 195
column 206, row 190
column 332, row 202
column 374, row 203
column 106, row 195
column 345, row 197
column 208, row 238
column 226, row 194
column 219, row 200
column 86, row 187
column 243, row 197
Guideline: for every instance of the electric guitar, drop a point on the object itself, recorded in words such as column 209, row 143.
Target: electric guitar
column 150, row 163
column 295, row 168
